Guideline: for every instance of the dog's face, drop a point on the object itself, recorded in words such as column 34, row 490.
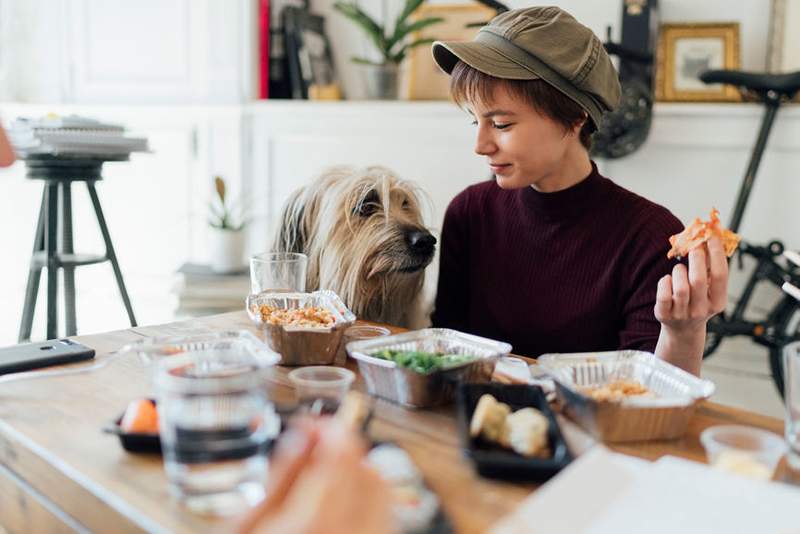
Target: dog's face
column 364, row 234
column 385, row 228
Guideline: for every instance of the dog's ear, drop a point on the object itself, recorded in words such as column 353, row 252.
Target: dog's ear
column 291, row 235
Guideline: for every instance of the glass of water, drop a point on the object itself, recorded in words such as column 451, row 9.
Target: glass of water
column 278, row 271
column 216, row 422
column 791, row 380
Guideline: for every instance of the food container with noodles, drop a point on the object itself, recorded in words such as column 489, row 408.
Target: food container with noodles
column 626, row 395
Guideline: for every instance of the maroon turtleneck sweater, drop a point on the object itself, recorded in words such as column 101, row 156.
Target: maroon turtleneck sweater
column 570, row 271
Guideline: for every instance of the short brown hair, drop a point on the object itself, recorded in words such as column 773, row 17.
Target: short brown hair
column 469, row 85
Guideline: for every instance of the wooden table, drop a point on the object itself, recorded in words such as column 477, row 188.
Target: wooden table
column 60, row 473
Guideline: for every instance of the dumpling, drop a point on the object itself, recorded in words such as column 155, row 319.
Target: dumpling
column 526, row 432
column 488, row 419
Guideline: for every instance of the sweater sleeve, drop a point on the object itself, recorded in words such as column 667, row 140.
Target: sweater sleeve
column 451, row 309
column 640, row 328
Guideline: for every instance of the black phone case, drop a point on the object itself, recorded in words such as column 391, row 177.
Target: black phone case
column 42, row 354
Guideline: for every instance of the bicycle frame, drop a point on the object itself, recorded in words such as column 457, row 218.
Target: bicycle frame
column 764, row 332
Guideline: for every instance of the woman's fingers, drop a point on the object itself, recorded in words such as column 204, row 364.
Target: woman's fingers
column 698, row 282
column 663, row 309
column 681, row 292
column 718, row 284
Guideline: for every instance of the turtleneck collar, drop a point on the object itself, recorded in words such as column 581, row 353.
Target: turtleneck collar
column 571, row 201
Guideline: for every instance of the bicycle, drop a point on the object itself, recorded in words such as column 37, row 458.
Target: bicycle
column 781, row 323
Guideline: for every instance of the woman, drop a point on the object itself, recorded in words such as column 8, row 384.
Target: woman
column 551, row 256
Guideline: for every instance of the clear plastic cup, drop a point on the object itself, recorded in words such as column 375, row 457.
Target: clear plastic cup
column 278, row 272
column 321, row 388
column 743, row 450
column 215, row 426
column 355, row 333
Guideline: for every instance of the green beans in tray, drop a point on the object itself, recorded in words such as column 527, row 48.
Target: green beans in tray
column 423, row 362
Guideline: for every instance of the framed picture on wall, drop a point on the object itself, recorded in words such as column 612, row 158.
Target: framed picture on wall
column 686, row 50
column 423, row 79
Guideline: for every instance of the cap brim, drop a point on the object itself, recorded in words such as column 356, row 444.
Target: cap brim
column 479, row 56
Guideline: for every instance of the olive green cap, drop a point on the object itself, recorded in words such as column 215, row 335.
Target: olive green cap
column 544, row 43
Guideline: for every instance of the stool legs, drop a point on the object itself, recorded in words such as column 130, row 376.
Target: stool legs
column 67, row 248
column 47, row 254
column 50, row 243
column 110, row 251
column 34, row 275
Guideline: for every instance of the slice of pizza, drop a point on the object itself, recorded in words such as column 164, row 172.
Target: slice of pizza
column 698, row 233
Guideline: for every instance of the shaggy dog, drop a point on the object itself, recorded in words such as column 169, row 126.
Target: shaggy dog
column 363, row 232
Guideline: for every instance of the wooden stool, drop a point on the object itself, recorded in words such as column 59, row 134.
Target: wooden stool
column 59, row 172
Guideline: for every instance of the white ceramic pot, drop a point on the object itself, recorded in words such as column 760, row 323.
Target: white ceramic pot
column 227, row 250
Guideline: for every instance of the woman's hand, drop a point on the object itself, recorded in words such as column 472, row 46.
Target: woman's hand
column 686, row 300
column 319, row 483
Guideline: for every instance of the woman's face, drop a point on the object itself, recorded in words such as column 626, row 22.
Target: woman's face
column 526, row 148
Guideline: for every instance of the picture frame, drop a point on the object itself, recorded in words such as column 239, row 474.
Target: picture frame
column 423, row 79
column 685, row 50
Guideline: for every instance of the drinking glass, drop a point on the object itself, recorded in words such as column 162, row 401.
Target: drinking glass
column 278, row 271
column 216, row 422
column 321, row 388
column 791, row 393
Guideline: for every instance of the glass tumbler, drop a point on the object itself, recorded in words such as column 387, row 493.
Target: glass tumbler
column 216, row 422
column 321, row 388
column 278, row 272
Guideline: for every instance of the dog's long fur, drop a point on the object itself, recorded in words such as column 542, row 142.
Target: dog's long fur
column 354, row 225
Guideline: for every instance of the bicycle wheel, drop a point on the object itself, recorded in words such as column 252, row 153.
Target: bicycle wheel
column 790, row 328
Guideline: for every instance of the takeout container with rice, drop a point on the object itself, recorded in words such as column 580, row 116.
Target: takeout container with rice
column 304, row 328
column 421, row 368
column 626, row 395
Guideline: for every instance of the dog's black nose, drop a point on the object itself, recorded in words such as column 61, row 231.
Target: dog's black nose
column 421, row 242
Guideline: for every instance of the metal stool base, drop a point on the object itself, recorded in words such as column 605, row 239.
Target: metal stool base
column 59, row 173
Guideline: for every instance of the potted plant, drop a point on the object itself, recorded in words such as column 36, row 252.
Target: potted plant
column 392, row 43
column 227, row 231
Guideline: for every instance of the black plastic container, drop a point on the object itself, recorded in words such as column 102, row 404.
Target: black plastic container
column 494, row 461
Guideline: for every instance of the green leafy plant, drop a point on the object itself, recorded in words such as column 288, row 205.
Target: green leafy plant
column 223, row 214
column 393, row 45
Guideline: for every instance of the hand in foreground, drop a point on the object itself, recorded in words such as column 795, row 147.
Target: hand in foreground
column 686, row 300
column 319, row 483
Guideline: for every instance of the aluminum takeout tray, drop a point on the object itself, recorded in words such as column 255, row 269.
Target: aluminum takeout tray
column 662, row 416
column 302, row 345
column 152, row 349
column 386, row 379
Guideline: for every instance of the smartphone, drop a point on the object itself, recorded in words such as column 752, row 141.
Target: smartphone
column 42, row 354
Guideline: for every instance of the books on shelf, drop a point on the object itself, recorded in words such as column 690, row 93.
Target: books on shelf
column 308, row 53
column 201, row 291
column 263, row 49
